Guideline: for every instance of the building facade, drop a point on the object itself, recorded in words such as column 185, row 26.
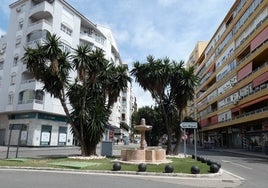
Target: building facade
column 232, row 97
column 27, row 113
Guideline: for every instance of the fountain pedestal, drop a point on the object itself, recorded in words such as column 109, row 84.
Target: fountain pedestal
column 144, row 154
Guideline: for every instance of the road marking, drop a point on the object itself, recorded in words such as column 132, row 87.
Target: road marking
column 225, row 161
column 243, row 166
column 239, row 177
column 237, row 164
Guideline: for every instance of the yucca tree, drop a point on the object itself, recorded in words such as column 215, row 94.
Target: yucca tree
column 90, row 95
column 170, row 85
column 154, row 76
column 183, row 86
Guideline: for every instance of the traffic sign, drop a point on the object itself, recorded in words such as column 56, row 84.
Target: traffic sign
column 188, row 125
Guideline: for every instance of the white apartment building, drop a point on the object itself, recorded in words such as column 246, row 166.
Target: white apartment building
column 27, row 114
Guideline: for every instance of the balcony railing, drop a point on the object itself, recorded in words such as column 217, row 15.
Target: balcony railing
column 27, row 101
column 252, row 112
column 27, row 81
column 40, row 21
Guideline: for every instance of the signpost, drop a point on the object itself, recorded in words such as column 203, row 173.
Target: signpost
column 12, row 127
column 189, row 125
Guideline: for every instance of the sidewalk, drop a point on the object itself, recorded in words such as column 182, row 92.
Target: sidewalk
column 230, row 150
column 242, row 152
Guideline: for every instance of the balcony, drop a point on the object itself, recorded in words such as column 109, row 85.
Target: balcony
column 31, row 84
column 42, row 24
column 97, row 40
column 30, row 104
column 254, row 115
column 30, row 101
column 41, row 10
column 33, row 44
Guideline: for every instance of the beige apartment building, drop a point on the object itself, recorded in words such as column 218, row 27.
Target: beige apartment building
column 231, row 102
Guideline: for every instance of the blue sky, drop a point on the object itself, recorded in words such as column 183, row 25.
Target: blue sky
column 157, row 27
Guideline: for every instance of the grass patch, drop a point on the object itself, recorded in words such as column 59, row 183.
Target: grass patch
column 17, row 159
column 75, row 164
column 180, row 165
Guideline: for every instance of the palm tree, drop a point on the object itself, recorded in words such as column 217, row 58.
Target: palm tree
column 55, row 78
column 91, row 95
column 154, row 76
column 183, row 90
column 171, row 85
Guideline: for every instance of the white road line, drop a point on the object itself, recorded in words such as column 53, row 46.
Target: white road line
column 243, row 166
column 225, row 161
column 239, row 177
column 237, row 164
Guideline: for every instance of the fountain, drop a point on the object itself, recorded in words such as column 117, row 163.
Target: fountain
column 143, row 154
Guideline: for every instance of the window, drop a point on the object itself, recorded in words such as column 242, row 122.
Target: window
column 26, row 96
column 39, row 95
column 20, row 26
column 3, row 50
column 123, row 117
column 29, row 96
column 15, row 61
column 65, row 47
column 36, row 35
column 10, row 97
column 18, row 41
column 66, row 29
column 1, row 64
column 13, row 78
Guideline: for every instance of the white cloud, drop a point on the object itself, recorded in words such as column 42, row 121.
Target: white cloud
column 147, row 36
column 122, row 36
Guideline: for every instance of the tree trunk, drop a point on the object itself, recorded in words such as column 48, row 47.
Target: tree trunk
column 178, row 134
column 169, row 144
column 76, row 131
column 83, row 148
column 169, row 130
column 178, row 141
column 90, row 149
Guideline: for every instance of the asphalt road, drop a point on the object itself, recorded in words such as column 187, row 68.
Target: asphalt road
column 21, row 178
column 251, row 170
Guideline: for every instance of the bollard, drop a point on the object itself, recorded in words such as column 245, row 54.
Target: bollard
column 169, row 169
column 214, row 168
column 116, row 166
column 142, row 167
column 195, row 170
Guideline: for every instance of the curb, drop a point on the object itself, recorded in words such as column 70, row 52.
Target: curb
column 118, row 172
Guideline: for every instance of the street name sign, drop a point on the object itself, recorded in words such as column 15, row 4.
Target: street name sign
column 188, row 125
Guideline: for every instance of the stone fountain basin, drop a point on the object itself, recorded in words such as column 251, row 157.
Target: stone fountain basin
column 147, row 155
